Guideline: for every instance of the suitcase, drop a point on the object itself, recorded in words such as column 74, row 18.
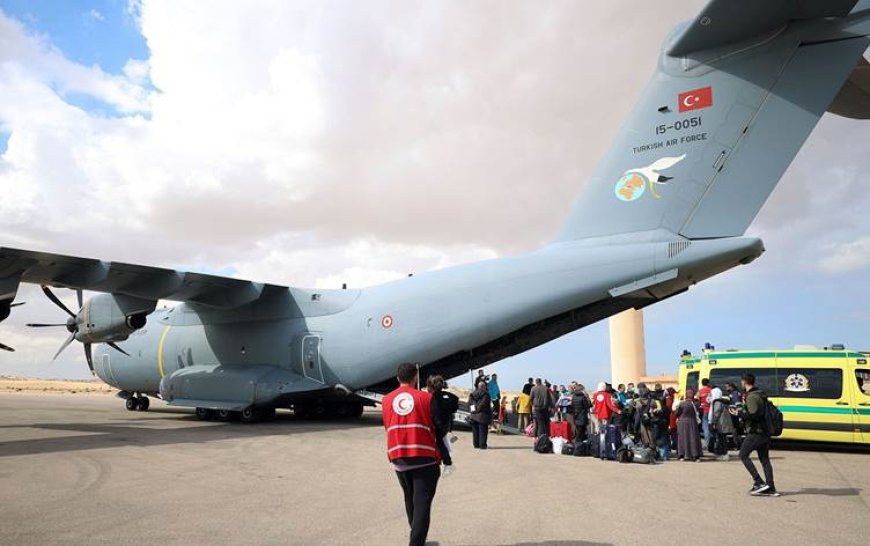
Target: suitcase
column 561, row 430
column 595, row 446
column 611, row 441
column 568, row 448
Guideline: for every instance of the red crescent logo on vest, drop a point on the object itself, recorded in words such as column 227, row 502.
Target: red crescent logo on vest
column 600, row 397
column 403, row 403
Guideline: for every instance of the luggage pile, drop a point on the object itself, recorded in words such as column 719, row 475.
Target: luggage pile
column 607, row 445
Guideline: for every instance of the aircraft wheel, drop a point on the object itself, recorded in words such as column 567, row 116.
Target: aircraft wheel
column 204, row 414
column 342, row 411
column 250, row 415
column 132, row 403
column 302, row 411
column 268, row 414
column 356, row 410
column 144, row 403
column 224, row 415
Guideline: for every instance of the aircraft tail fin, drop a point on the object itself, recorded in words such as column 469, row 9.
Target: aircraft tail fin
column 724, row 116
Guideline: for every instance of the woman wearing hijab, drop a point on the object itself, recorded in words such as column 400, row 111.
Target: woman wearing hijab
column 480, row 405
column 688, row 438
column 721, row 424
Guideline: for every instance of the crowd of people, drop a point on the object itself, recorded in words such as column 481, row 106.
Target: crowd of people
column 658, row 421
column 686, row 426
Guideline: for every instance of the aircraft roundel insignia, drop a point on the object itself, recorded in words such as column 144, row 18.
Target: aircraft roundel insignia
column 403, row 404
column 387, row 321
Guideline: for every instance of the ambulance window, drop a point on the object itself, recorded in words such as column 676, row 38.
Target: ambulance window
column 765, row 378
column 863, row 379
column 811, row 383
column 692, row 381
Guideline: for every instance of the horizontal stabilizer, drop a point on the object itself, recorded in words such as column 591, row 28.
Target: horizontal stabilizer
column 722, row 22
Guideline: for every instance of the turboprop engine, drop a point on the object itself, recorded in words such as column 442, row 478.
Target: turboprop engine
column 105, row 318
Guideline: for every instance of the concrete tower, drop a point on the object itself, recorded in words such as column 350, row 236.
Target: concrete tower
column 627, row 349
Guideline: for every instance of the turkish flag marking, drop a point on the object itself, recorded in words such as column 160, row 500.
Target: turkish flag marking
column 696, row 99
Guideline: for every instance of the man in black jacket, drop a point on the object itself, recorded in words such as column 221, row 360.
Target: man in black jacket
column 580, row 407
column 757, row 438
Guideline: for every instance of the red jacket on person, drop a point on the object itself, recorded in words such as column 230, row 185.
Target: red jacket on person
column 603, row 405
column 408, row 420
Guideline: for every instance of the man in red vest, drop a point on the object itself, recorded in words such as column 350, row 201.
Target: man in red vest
column 412, row 449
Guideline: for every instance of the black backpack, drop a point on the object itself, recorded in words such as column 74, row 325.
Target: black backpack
column 450, row 401
column 773, row 419
column 624, row 455
column 568, row 448
column 543, row 444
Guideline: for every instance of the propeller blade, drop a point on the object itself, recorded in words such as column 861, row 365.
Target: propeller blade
column 66, row 343
column 45, row 325
column 79, row 297
column 56, row 301
column 120, row 350
column 89, row 357
column 7, row 348
column 18, row 304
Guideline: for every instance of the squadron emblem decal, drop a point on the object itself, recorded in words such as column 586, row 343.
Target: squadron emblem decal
column 633, row 183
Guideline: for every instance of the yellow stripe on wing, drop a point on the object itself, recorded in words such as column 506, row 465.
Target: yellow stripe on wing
column 160, row 349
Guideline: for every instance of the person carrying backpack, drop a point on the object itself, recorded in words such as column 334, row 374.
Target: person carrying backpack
column 756, row 414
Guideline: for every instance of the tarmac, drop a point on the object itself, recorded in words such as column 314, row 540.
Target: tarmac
column 80, row 469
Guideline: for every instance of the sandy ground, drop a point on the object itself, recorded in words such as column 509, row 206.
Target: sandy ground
column 10, row 383
column 81, row 470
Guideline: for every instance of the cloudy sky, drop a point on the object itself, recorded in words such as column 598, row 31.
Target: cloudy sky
column 315, row 143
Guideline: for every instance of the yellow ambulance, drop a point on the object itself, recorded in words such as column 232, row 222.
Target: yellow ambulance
column 824, row 394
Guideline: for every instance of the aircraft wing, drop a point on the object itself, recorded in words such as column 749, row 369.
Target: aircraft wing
column 723, row 22
column 150, row 283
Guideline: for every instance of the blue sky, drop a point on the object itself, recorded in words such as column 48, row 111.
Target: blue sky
column 102, row 33
column 224, row 172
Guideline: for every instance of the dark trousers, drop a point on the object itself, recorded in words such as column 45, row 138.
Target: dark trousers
column 759, row 443
column 419, row 486
column 479, row 433
column 580, row 433
column 542, row 422
column 720, row 443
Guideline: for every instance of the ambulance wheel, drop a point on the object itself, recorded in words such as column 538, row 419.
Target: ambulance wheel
column 144, row 403
column 132, row 403
column 204, row 414
column 250, row 415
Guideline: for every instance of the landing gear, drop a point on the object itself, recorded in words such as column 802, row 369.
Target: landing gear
column 225, row 415
column 204, row 414
column 137, row 403
column 251, row 415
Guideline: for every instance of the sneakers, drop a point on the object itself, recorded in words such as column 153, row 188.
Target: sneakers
column 771, row 492
column 723, row 458
column 758, row 489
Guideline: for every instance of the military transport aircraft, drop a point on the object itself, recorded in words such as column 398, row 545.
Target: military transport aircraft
column 736, row 92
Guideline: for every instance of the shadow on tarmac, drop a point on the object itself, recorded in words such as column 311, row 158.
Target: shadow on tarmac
column 548, row 543
column 831, row 492
column 135, row 431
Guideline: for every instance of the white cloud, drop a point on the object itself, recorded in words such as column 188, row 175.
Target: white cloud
column 847, row 257
column 312, row 143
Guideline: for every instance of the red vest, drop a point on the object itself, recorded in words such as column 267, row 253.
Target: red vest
column 408, row 420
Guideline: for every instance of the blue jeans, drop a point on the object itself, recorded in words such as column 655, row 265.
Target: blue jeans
column 705, row 427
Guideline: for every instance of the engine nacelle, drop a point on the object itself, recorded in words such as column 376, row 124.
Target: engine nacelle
column 112, row 317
